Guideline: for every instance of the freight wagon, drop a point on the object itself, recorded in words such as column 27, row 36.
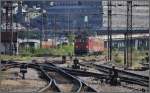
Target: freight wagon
column 48, row 44
column 88, row 45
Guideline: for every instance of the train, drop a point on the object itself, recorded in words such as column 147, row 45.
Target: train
column 88, row 45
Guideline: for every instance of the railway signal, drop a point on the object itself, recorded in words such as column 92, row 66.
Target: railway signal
column 63, row 59
column 113, row 78
column 76, row 64
column 147, row 58
column 23, row 70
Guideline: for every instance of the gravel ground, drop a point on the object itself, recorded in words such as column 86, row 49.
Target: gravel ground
column 110, row 64
column 62, row 82
column 102, row 87
column 14, row 83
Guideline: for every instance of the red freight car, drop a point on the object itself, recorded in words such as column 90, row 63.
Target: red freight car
column 88, row 45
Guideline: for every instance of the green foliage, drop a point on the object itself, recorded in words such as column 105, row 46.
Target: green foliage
column 71, row 38
column 42, row 52
column 26, row 52
column 118, row 58
column 59, row 51
column 15, row 57
column 29, row 34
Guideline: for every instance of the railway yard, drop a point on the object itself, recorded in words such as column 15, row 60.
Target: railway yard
column 78, row 46
column 45, row 75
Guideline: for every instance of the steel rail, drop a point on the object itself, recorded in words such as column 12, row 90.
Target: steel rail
column 124, row 79
column 84, row 73
column 47, row 77
column 76, row 0
column 69, row 76
column 51, row 82
column 122, row 74
column 88, row 88
column 51, row 66
column 106, row 69
column 125, row 76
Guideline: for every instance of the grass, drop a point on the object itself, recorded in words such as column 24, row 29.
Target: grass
column 137, row 57
column 118, row 56
column 27, row 54
column 58, row 51
column 15, row 58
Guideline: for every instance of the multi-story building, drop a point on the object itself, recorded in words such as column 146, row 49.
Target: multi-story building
column 67, row 15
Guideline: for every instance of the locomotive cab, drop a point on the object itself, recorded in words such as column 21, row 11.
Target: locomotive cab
column 81, row 46
column 88, row 45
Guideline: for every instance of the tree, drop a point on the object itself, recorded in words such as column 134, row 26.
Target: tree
column 71, row 38
column 32, row 35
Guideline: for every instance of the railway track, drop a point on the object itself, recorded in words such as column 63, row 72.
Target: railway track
column 97, row 75
column 124, row 75
column 51, row 85
column 130, row 82
column 50, row 73
column 65, row 82
column 79, row 86
column 58, row 79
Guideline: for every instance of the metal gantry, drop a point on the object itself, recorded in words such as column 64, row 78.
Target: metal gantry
column 109, row 31
column 9, row 24
column 128, row 37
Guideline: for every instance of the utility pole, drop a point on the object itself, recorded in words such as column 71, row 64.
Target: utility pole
column 45, row 30
column 55, row 30
column 43, row 26
column 128, row 37
column 42, row 19
column 28, row 27
column 41, row 33
column 20, row 17
column 109, row 28
column 149, row 37
column 9, row 26
column 68, row 19
column 53, row 21
column 86, row 25
column 0, row 39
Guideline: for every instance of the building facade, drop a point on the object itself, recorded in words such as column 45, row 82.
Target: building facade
column 62, row 15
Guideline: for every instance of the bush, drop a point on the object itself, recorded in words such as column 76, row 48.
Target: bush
column 117, row 58
column 15, row 58
column 59, row 51
column 41, row 52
